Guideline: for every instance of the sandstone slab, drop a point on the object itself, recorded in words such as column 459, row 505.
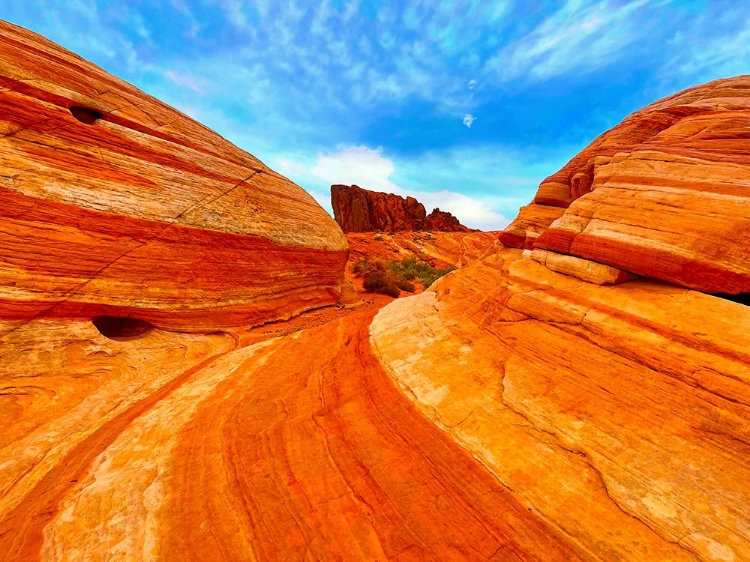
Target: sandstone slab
column 585, row 270
column 664, row 194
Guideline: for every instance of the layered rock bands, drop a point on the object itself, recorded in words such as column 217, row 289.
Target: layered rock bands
column 544, row 404
column 664, row 194
column 114, row 203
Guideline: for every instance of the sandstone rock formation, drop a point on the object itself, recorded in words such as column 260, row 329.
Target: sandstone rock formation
column 535, row 405
column 616, row 408
column 619, row 415
column 664, row 194
column 359, row 210
column 115, row 204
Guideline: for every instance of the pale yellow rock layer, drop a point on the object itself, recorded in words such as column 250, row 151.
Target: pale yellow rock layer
column 585, row 270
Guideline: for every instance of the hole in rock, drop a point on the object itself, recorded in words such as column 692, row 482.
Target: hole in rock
column 120, row 328
column 85, row 114
column 741, row 298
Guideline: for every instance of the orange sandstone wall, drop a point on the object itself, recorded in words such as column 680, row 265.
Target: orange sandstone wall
column 664, row 194
column 138, row 210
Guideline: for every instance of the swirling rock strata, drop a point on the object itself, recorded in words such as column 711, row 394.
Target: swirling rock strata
column 621, row 414
column 244, row 454
column 114, row 203
column 360, row 210
column 663, row 194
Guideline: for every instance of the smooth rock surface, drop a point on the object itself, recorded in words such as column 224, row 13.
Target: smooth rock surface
column 621, row 414
column 242, row 453
column 585, row 270
column 114, row 203
column 532, row 220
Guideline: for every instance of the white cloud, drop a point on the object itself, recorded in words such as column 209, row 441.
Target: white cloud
column 357, row 165
column 472, row 84
column 726, row 54
column 469, row 119
column 369, row 169
column 235, row 14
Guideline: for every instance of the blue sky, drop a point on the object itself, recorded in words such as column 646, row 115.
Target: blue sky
column 465, row 104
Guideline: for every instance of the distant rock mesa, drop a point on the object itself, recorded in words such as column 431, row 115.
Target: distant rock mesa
column 359, row 210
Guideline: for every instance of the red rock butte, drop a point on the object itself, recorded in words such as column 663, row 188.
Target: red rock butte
column 573, row 397
column 360, row 210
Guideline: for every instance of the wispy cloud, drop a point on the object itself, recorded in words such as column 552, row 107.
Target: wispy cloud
column 186, row 81
column 580, row 36
column 294, row 80
column 725, row 50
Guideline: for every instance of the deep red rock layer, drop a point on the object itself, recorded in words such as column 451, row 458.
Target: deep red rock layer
column 359, row 210
column 114, row 203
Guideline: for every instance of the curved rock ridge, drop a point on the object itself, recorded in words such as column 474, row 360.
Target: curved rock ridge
column 360, row 210
column 114, row 203
column 620, row 415
column 664, row 194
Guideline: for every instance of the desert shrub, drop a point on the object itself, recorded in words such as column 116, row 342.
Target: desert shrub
column 364, row 266
column 378, row 282
column 388, row 279
column 413, row 268
column 379, row 238
column 405, row 285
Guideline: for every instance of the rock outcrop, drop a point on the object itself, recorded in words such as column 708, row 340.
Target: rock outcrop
column 115, row 204
column 616, row 407
column 619, row 415
column 359, row 210
column 534, row 405
column 664, row 194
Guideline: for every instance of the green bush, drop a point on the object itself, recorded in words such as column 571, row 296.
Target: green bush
column 378, row 282
column 414, row 269
column 364, row 266
column 405, row 285
column 388, row 279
